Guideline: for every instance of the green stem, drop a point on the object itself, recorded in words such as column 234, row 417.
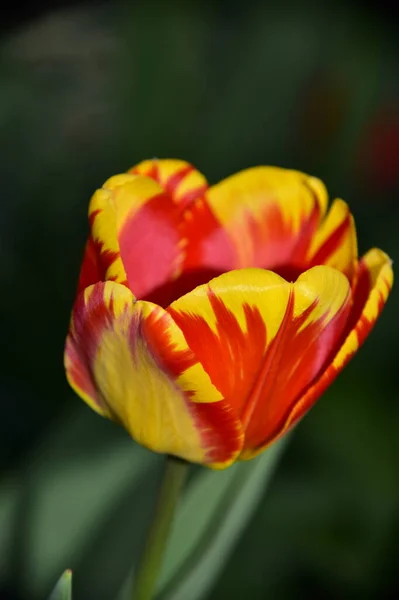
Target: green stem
column 145, row 580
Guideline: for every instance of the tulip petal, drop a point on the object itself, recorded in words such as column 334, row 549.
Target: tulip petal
column 263, row 340
column 206, row 243
column 133, row 207
column 375, row 279
column 149, row 235
column 374, row 282
column 270, row 214
column 104, row 244
column 91, row 270
column 102, row 260
column 335, row 242
column 174, row 231
column 130, row 362
column 178, row 178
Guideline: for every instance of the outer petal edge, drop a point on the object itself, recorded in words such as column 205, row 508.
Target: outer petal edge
column 130, row 362
column 379, row 266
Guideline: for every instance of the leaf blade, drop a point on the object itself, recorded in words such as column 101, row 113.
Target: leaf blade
column 63, row 587
column 208, row 551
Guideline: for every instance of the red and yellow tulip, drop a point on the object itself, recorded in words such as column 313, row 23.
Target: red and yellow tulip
column 210, row 319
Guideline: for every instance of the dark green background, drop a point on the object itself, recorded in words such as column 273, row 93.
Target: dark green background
column 86, row 92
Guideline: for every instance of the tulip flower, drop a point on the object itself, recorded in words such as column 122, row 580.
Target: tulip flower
column 209, row 319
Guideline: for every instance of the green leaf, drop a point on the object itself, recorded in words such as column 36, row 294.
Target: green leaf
column 54, row 510
column 214, row 512
column 63, row 589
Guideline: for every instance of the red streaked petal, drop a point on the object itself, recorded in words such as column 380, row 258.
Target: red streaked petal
column 177, row 178
column 130, row 362
column 270, row 214
column 207, row 245
column 102, row 259
column 137, row 233
column 307, row 340
column 376, row 276
column 263, row 340
column 105, row 247
column 149, row 235
column 91, row 270
column 335, row 242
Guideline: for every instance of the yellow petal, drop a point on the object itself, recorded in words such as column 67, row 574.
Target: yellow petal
column 335, row 242
column 374, row 279
column 270, row 214
column 177, row 177
column 130, row 362
column 104, row 235
column 263, row 340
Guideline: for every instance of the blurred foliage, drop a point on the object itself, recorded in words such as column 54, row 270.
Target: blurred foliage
column 63, row 589
column 90, row 90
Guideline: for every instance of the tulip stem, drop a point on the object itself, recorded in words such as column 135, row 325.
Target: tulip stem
column 146, row 577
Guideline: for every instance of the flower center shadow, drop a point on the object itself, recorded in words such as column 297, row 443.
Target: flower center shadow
column 170, row 291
